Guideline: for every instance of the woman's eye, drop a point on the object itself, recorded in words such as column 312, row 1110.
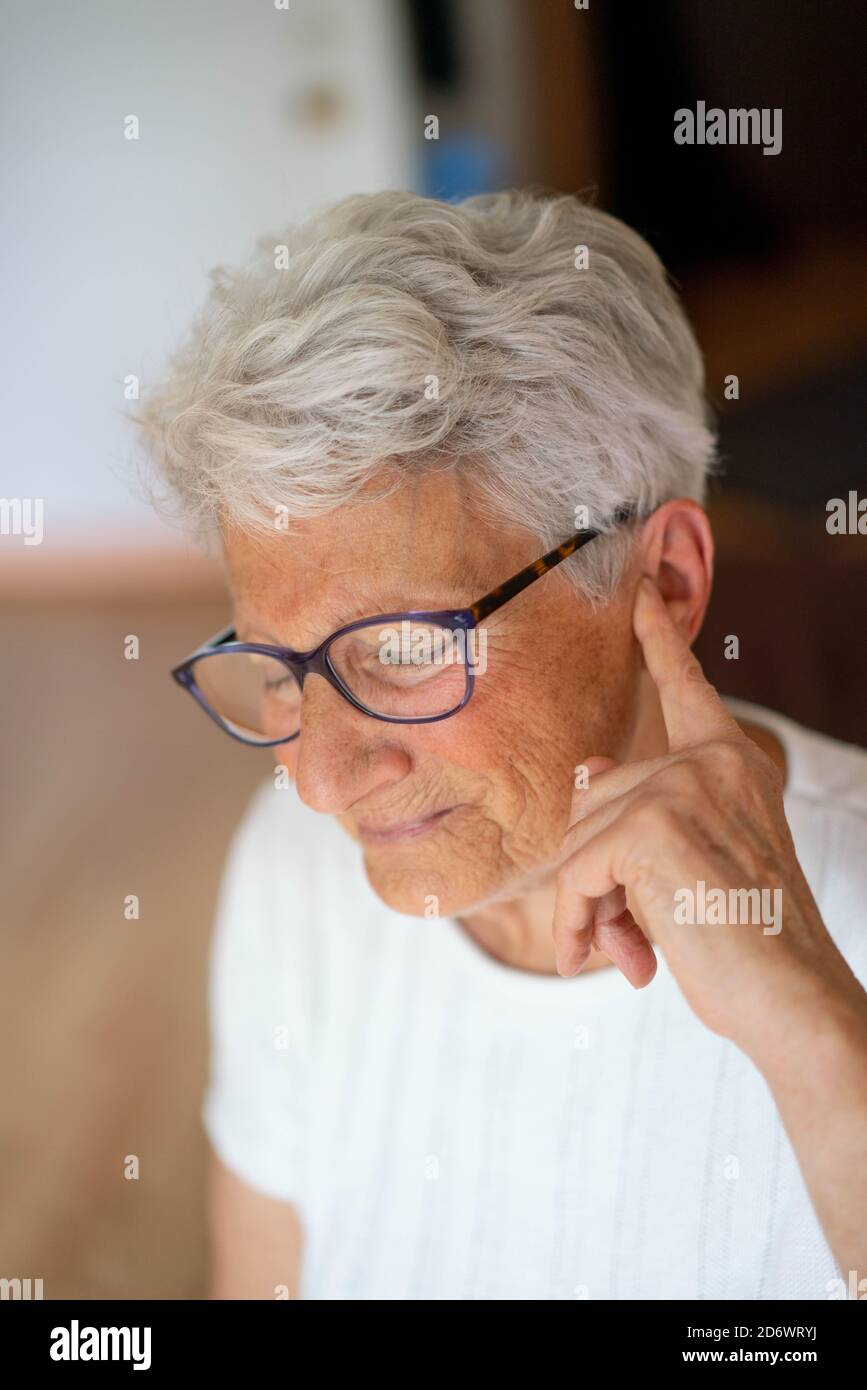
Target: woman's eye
column 406, row 659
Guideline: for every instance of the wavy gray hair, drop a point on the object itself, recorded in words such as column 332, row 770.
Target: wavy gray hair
column 472, row 335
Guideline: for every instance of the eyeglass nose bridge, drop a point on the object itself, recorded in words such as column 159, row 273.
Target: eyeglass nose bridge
column 313, row 664
column 317, row 664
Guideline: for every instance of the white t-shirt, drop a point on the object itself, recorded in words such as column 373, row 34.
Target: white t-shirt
column 450, row 1127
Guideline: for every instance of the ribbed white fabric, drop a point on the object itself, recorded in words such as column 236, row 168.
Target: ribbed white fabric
column 449, row 1127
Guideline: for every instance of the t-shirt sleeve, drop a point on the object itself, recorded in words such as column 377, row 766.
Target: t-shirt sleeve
column 253, row 1108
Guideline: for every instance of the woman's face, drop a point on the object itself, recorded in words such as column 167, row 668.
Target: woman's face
column 469, row 810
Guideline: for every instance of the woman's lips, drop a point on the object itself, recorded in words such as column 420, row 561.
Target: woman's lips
column 406, row 830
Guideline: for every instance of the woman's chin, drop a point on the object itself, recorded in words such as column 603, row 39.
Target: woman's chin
column 414, row 884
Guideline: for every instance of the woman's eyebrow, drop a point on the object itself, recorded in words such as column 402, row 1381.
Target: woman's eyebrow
column 247, row 625
column 248, row 630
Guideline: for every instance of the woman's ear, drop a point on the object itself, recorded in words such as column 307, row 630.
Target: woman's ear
column 677, row 552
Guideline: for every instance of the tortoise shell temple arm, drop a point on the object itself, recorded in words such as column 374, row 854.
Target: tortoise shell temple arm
column 503, row 592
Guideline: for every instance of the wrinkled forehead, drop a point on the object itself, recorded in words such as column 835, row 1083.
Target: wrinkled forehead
column 426, row 543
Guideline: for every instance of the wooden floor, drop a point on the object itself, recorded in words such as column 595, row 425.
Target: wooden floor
column 111, row 787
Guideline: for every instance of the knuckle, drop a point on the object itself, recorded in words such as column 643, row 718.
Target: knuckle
column 692, row 669
column 769, row 769
column 650, row 815
column 660, row 830
column 727, row 754
column 682, row 778
column 644, row 876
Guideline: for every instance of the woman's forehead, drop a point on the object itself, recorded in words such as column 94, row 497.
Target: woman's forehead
column 384, row 560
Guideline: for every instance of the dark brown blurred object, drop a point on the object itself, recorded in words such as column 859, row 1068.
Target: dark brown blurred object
column 796, row 598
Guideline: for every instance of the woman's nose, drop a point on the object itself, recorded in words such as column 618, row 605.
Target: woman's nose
column 343, row 755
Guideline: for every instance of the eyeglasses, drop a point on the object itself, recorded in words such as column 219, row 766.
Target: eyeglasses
column 416, row 667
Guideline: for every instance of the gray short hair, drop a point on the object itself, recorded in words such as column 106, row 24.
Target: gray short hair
column 408, row 331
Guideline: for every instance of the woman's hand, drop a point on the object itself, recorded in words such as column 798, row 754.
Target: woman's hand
column 644, row 837
column 650, row 841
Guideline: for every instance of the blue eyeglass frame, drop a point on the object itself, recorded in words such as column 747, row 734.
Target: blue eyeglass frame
column 316, row 661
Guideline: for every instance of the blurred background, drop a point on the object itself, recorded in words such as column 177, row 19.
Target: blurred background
column 249, row 115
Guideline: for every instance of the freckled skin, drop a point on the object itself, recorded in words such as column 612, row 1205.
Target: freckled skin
column 561, row 684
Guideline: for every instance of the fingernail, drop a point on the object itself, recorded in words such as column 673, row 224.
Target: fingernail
column 566, row 974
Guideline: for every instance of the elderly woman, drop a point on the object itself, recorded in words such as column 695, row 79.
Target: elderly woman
column 537, row 969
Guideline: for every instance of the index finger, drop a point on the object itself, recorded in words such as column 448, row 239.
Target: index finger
column 692, row 709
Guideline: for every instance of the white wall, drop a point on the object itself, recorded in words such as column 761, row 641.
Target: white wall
column 106, row 242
